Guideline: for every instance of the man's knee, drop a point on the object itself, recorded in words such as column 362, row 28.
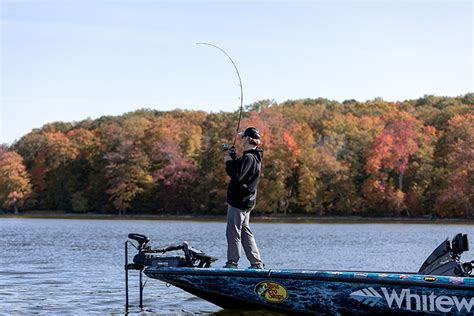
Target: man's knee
column 246, row 231
column 233, row 232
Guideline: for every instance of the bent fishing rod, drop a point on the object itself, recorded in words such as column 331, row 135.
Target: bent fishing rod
column 225, row 146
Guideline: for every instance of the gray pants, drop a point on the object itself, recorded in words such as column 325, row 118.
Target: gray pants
column 238, row 230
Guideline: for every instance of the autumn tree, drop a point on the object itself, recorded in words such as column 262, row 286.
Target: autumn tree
column 78, row 173
column 59, row 153
column 457, row 197
column 127, row 174
column 176, row 150
column 389, row 158
column 342, row 149
column 14, row 179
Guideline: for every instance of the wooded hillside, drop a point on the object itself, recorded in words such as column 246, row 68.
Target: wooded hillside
column 322, row 157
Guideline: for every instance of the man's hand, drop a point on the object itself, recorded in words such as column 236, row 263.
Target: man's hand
column 232, row 153
column 227, row 158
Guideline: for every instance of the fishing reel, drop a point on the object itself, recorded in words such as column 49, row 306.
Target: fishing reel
column 230, row 149
column 225, row 147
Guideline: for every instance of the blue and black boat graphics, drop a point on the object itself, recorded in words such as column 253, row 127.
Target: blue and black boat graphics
column 449, row 290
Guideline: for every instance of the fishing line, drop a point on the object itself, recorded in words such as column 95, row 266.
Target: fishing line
column 240, row 85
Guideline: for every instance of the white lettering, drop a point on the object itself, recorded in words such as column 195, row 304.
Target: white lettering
column 405, row 299
column 394, row 296
column 432, row 305
column 444, row 300
column 425, row 303
column 416, row 298
column 463, row 303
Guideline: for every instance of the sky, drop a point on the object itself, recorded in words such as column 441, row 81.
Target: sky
column 73, row 60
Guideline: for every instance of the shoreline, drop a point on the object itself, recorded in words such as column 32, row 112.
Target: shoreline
column 292, row 219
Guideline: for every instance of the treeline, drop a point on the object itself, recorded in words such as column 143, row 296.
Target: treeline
column 322, row 157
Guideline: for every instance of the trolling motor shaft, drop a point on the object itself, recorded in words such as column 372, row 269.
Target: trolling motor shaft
column 132, row 266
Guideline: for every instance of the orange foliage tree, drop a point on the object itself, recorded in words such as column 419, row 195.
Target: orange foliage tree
column 389, row 159
column 15, row 184
column 457, row 197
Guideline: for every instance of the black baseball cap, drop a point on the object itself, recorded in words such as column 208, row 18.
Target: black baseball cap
column 251, row 132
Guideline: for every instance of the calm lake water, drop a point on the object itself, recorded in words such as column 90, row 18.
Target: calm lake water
column 76, row 266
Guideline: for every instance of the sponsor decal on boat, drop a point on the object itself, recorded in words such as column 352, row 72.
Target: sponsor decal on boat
column 404, row 276
column 383, row 275
column 271, row 291
column 406, row 300
column 360, row 275
column 456, row 280
column 429, row 278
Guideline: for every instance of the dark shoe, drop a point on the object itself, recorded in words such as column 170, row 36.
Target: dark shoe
column 230, row 265
column 257, row 266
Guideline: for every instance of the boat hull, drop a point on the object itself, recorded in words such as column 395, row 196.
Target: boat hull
column 323, row 292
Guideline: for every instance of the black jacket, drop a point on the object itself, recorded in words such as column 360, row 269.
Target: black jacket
column 244, row 173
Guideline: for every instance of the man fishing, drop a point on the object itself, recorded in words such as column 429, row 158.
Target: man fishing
column 244, row 173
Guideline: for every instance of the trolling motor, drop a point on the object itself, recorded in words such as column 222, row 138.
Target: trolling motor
column 446, row 259
column 147, row 256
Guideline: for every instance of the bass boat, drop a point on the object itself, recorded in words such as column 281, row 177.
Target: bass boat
column 443, row 284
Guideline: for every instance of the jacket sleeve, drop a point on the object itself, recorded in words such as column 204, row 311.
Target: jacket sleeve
column 238, row 169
